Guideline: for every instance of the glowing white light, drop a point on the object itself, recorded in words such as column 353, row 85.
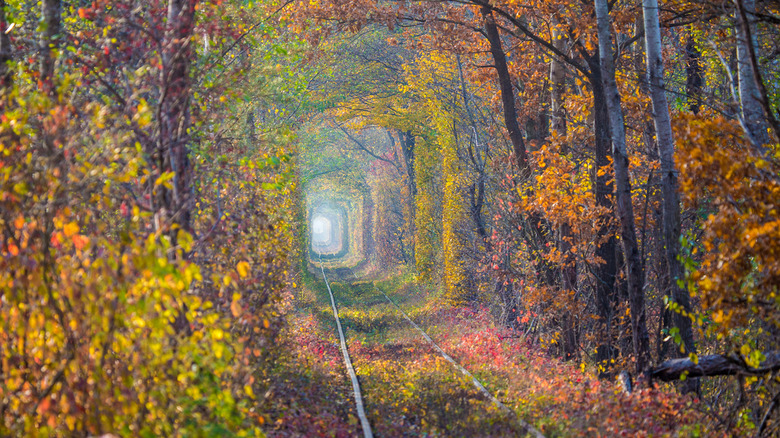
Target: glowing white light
column 321, row 230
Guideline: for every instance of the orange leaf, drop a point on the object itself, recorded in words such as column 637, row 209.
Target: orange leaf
column 43, row 406
column 70, row 229
column 235, row 308
column 80, row 241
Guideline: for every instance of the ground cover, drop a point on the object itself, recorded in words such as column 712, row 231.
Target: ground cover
column 311, row 396
column 409, row 390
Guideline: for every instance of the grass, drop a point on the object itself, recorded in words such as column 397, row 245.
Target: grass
column 409, row 390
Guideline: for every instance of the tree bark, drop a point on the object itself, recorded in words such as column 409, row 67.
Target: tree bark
column 51, row 14
column 714, row 365
column 477, row 189
column 640, row 336
column 558, row 125
column 558, row 88
column 406, row 140
column 606, row 296
column 749, row 95
column 757, row 115
column 250, row 128
column 694, row 76
column 6, row 52
column 175, row 110
column 669, row 184
column 407, row 145
column 507, row 92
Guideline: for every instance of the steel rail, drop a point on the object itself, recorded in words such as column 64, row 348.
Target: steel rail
column 367, row 433
column 526, row 425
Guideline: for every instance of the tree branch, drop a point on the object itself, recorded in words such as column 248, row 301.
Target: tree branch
column 714, row 365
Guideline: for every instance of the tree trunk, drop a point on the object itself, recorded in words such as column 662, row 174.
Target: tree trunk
column 250, row 128
column 406, row 143
column 175, row 110
column 749, row 94
column 558, row 126
column 641, row 339
column 477, row 190
column 6, row 52
column 51, row 13
column 669, row 185
column 714, row 365
column 507, row 92
column 694, row 77
column 406, row 140
column 606, row 297
column 558, row 88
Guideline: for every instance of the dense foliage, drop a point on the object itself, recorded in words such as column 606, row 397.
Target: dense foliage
column 141, row 286
column 559, row 192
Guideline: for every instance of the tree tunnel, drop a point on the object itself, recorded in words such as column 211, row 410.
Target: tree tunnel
column 337, row 222
column 329, row 230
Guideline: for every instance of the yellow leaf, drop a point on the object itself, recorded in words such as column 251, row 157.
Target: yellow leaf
column 243, row 269
column 165, row 179
column 70, row 229
column 70, row 421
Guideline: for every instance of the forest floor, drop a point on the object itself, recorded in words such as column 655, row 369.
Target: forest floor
column 409, row 389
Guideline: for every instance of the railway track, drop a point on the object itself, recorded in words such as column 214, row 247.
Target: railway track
column 528, row 428
column 365, row 425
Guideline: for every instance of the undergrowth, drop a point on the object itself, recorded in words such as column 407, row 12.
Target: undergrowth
column 410, row 390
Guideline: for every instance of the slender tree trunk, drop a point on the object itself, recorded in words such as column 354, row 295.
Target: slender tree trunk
column 507, row 92
column 694, row 75
column 606, row 296
column 756, row 110
column 406, row 140
column 558, row 84
column 51, row 14
column 641, row 339
column 250, row 128
column 175, row 111
column 662, row 281
column 749, row 95
column 558, row 126
column 477, row 190
column 6, row 52
column 669, row 185
column 407, row 145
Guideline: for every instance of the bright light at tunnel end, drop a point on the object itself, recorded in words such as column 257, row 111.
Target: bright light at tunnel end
column 321, row 230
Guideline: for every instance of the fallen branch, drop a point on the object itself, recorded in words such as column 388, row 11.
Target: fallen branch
column 714, row 365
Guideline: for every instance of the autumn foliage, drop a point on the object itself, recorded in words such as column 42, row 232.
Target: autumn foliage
column 139, row 295
column 559, row 202
column 522, row 201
